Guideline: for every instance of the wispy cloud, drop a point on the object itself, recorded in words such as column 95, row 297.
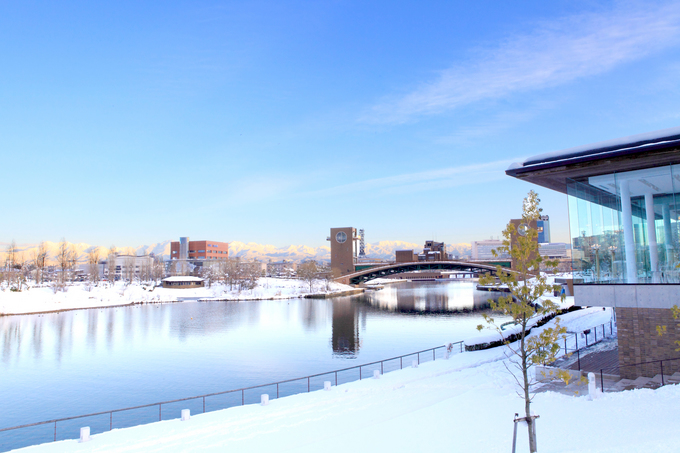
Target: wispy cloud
column 553, row 53
column 422, row 181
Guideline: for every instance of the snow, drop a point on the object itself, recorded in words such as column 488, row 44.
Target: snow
column 181, row 278
column 40, row 299
column 633, row 141
column 466, row 404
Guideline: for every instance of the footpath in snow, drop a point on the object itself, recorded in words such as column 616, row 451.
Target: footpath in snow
column 463, row 404
column 84, row 295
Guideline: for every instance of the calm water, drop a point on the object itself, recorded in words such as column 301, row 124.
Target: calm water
column 77, row 362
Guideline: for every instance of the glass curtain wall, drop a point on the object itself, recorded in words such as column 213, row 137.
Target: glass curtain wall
column 624, row 226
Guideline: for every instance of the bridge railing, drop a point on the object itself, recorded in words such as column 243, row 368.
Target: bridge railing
column 66, row 428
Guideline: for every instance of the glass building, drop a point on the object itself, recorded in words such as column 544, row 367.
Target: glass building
column 624, row 224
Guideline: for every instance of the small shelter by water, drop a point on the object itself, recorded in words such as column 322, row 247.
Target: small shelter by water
column 183, row 282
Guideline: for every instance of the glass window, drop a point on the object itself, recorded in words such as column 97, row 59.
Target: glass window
column 624, row 226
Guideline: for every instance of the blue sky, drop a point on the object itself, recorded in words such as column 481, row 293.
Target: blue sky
column 131, row 123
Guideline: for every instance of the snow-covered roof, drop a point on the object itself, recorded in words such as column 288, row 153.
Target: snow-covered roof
column 630, row 143
column 182, row 278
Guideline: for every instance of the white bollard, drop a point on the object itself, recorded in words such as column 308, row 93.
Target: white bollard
column 85, row 434
column 592, row 387
column 414, row 364
column 326, row 385
column 264, row 399
column 186, row 414
column 376, row 374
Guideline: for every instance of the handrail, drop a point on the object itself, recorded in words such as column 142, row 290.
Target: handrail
column 449, row 348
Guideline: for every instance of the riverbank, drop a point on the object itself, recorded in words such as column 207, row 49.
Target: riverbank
column 466, row 403
column 44, row 299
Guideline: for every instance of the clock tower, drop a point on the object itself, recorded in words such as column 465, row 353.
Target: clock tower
column 343, row 250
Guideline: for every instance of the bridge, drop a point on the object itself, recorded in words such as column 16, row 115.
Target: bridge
column 397, row 268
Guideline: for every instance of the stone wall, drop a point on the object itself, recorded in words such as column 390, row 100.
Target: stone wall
column 640, row 342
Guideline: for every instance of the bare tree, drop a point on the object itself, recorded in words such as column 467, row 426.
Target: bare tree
column 308, row 272
column 39, row 259
column 63, row 260
column 158, row 268
column 93, row 257
column 111, row 264
column 11, row 255
column 129, row 269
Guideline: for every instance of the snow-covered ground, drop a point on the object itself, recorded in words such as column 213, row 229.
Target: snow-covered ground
column 464, row 404
column 84, row 295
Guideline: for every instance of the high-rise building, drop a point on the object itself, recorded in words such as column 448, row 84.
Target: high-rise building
column 198, row 250
column 543, row 227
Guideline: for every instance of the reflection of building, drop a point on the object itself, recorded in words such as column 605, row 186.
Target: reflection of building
column 624, row 224
column 345, row 328
column 343, row 250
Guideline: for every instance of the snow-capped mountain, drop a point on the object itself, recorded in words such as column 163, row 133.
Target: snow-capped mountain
column 384, row 250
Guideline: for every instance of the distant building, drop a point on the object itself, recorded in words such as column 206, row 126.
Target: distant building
column 433, row 251
column 127, row 265
column 281, row 268
column 183, row 282
column 405, row 256
column 482, row 250
column 199, row 250
column 543, row 228
column 343, row 250
column 553, row 250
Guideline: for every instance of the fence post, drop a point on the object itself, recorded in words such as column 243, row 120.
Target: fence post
column 336, row 378
column 359, row 372
column 277, row 390
column 55, row 431
column 401, row 363
column 204, row 404
column 662, row 381
column 601, row 381
column 307, row 384
column 243, row 397
column 461, row 346
column 576, row 339
column 433, row 359
column 419, row 358
column 381, row 368
column 110, row 421
column 578, row 355
column 159, row 411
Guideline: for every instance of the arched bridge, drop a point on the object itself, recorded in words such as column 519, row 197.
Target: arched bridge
column 398, row 268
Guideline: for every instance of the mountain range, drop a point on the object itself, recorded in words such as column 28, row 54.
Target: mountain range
column 383, row 250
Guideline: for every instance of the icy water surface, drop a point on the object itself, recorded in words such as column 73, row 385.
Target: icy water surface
column 84, row 361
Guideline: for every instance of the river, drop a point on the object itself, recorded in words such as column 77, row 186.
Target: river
column 64, row 364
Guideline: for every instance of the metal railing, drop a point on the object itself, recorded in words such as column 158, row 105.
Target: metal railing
column 448, row 349
column 590, row 333
column 617, row 370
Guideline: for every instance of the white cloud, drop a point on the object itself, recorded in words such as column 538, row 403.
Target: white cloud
column 553, row 53
column 423, row 181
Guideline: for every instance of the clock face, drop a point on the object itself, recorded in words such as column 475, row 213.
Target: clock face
column 341, row 237
column 523, row 229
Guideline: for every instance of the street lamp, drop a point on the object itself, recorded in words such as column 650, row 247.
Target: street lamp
column 596, row 248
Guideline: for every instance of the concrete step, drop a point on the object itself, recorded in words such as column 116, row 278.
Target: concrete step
column 666, row 378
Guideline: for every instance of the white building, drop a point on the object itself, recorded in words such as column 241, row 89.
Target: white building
column 482, row 250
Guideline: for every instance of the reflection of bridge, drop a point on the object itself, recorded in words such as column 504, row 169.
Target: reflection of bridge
column 398, row 268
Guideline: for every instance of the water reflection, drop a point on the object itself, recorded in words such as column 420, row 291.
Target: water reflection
column 62, row 364
column 431, row 297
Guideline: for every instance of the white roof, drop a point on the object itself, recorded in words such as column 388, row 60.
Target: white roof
column 632, row 141
column 182, row 278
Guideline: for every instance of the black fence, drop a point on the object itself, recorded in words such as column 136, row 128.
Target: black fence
column 68, row 427
column 654, row 370
column 589, row 337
